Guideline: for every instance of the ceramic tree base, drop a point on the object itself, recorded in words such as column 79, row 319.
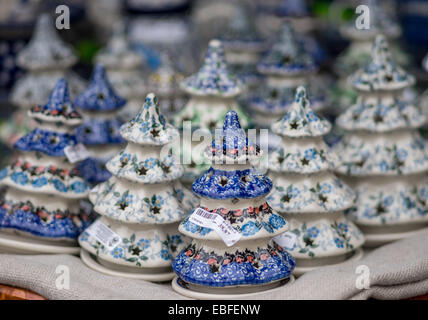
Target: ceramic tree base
column 305, row 265
column 239, row 292
column 374, row 240
column 125, row 272
column 15, row 244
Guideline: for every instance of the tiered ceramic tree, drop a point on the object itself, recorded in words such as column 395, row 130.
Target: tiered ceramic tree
column 42, row 201
column 306, row 191
column 124, row 71
column 286, row 66
column 143, row 201
column 99, row 105
column 47, row 59
column 165, row 80
column 382, row 152
column 243, row 46
column 232, row 190
column 213, row 91
column 358, row 53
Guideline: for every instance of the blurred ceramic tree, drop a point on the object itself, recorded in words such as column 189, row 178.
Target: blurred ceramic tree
column 382, row 153
column 42, row 201
column 99, row 105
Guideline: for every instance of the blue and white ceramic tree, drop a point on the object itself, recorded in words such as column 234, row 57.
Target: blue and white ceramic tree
column 99, row 105
column 383, row 153
column 213, row 92
column 234, row 191
column 286, row 66
column 143, row 201
column 243, row 46
column 42, row 201
column 124, row 70
column 47, row 59
column 306, row 191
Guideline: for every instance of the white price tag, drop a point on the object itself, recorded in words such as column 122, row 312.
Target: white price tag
column 286, row 240
column 76, row 153
column 95, row 189
column 214, row 221
column 103, row 234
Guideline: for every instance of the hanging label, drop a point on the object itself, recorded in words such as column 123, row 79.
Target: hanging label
column 76, row 153
column 286, row 240
column 103, row 234
column 214, row 221
column 95, row 189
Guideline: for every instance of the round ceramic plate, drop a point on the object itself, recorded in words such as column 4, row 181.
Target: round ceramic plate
column 10, row 243
column 92, row 263
column 299, row 271
column 212, row 296
column 377, row 240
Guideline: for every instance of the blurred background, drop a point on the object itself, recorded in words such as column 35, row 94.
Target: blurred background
column 177, row 31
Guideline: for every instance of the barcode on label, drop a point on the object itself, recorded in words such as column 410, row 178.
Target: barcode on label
column 104, row 235
column 76, row 153
column 286, row 240
column 214, row 221
column 205, row 214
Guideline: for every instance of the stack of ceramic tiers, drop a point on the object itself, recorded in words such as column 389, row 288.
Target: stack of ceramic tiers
column 99, row 105
column 40, row 212
column 141, row 203
column 287, row 65
column 308, row 194
column 232, row 192
column 213, row 91
column 47, row 58
column 382, row 152
column 358, row 52
column 165, row 80
column 124, row 70
column 243, row 46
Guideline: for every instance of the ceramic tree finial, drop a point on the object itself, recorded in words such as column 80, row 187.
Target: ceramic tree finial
column 287, row 56
column 59, row 107
column 99, row 95
column 381, row 72
column 46, row 50
column 213, row 78
column 300, row 120
column 149, row 127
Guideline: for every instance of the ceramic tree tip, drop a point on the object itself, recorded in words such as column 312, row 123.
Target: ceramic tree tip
column 151, row 100
column 301, row 94
column 214, row 43
column 61, row 92
column 380, row 47
column 231, row 121
column 99, row 71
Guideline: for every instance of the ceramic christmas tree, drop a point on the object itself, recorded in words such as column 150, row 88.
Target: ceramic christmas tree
column 286, row 66
column 141, row 203
column 243, row 46
column 382, row 154
column 47, row 59
column 233, row 193
column 99, row 105
column 359, row 51
column 40, row 211
column 124, row 71
column 165, row 80
column 307, row 193
column 213, row 91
